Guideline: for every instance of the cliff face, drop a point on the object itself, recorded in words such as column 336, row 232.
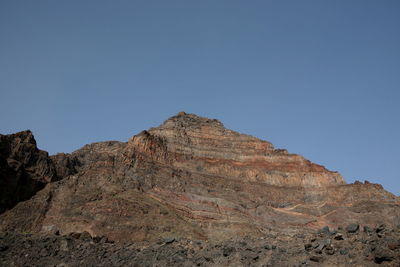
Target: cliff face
column 195, row 144
column 24, row 169
column 193, row 178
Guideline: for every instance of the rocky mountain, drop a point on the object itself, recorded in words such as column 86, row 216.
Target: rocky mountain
column 190, row 178
column 24, row 169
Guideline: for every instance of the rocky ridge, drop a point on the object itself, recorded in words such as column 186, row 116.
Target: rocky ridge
column 190, row 178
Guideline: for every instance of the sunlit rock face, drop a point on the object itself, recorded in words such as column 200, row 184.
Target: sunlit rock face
column 202, row 145
column 190, row 177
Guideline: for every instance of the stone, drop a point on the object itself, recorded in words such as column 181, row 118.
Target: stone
column 352, row 228
column 44, row 252
column 367, row 229
column 325, row 230
column 382, row 254
column 228, row 251
column 327, row 242
column 64, row 245
column 315, row 258
column 393, row 244
column 330, row 252
column 50, row 229
column 97, row 239
column 308, row 246
column 338, row 236
column 381, row 228
column 75, row 235
column 85, row 236
column 169, row 240
column 321, row 246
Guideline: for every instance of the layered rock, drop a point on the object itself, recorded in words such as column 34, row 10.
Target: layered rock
column 195, row 144
column 193, row 178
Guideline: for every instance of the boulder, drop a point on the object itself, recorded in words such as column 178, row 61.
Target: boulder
column 352, row 228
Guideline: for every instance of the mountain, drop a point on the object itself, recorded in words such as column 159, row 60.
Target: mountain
column 188, row 178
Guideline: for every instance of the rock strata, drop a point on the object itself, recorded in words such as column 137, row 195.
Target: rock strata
column 188, row 179
column 190, row 142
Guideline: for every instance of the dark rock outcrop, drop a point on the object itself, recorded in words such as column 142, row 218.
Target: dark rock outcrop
column 24, row 169
column 352, row 228
column 270, row 249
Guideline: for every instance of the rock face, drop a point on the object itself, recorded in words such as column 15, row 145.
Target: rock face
column 24, row 169
column 195, row 144
column 188, row 178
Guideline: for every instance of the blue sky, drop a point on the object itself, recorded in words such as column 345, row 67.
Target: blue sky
column 320, row 78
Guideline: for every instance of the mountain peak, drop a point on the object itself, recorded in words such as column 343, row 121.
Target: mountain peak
column 187, row 120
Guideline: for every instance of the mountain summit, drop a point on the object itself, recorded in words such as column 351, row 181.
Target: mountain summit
column 189, row 177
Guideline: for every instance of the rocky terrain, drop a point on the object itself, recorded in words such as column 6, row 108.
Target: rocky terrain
column 351, row 246
column 192, row 181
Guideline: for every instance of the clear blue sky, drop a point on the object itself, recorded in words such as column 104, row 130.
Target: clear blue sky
column 320, row 78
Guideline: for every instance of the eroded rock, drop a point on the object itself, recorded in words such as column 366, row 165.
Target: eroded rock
column 188, row 178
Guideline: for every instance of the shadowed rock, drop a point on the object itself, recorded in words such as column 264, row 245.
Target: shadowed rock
column 24, row 169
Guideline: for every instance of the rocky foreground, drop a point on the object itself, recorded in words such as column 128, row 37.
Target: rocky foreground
column 350, row 246
column 188, row 192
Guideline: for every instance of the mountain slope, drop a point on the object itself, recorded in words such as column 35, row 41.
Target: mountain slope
column 191, row 177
